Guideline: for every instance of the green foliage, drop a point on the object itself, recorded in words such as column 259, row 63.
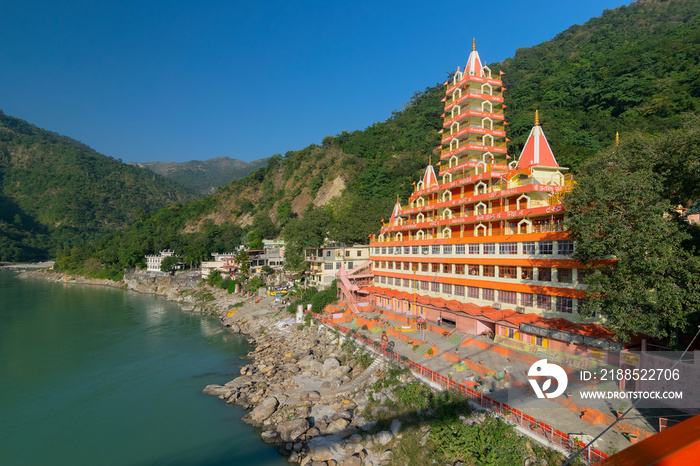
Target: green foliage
column 492, row 442
column 623, row 208
column 254, row 283
column 415, row 395
column 56, row 192
column 323, row 298
column 168, row 264
column 243, row 262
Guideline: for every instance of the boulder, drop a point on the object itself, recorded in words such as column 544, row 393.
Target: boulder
column 395, row 426
column 264, row 409
column 311, row 395
column 269, row 436
column 383, row 437
column 336, row 426
column 325, row 448
column 290, row 431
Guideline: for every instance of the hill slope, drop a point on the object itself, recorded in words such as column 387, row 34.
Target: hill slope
column 55, row 191
column 204, row 176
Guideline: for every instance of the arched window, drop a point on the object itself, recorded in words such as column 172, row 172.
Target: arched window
column 420, row 218
column 454, row 127
column 454, row 144
column 486, row 89
column 456, row 110
column 399, row 236
column 446, row 232
column 457, row 77
column 487, row 140
column 420, row 234
column 487, row 123
column 487, row 71
column 419, row 185
column 524, row 226
column 486, row 106
column 481, row 209
column 480, row 188
column 447, row 196
column 525, row 198
column 487, row 157
column 447, row 213
column 480, row 228
column 456, row 94
column 447, row 177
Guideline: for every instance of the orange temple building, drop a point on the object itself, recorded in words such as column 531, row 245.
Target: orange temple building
column 481, row 243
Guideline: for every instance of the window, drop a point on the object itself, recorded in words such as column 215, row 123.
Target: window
column 406, row 282
column 565, row 247
column 328, row 253
column 473, row 292
column 459, row 249
column 383, row 249
column 509, row 297
column 398, row 250
column 338, row 264
column 406, row 249
column 447, row 288
column 510, row 332
column 538, row 340
column 447, row 249
column 544, row 302
column 507, row 248
column 435, row 287
column 459, row 290
column 446, row 268
column 489, row 271
column 545, row 247
column 474, row 248
column 424, row 249
column 526, row 273
column 407, row 266
column 390, row 281
column 487, row 294
column 391, row 250
column 383, row 279
column 424, row 267
column 459, row 269
column 359, row 253
column 384, row 264
column 435, row 249
column 424, row 286
column 347, row 253
column 473, row 270
column 414, row 249
column 376, row 264
column 489, row 248
column 544, row 274
column 529, row 247
column 390, row 265
column 350, row 265
column 565, row 275
column 328, row 266
column 526, row 299
column 435, row 268
column 565, row 304
column 506, row 271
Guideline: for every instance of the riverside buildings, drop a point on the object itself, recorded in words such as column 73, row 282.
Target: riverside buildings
column 481, row 242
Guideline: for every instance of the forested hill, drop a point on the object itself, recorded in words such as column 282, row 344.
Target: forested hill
column 634, row 70
column 55, row 191
column 204, row 176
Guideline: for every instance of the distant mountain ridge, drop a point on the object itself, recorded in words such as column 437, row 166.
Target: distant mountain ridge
column 204, row 176
column 56, row 192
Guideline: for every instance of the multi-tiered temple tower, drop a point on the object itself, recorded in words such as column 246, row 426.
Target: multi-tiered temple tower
column 485, row 232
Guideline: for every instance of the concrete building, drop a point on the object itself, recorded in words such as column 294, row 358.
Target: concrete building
column 325, row 262
column 153, row 262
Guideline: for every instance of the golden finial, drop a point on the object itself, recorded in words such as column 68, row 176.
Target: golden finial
column 397, row 198
column 473, row 44
column 537, row 118
column 617, row 138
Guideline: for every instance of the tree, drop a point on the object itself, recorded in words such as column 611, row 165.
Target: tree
column 645, row 271
column 255, row 240
column 243, row 262
column 168, row 264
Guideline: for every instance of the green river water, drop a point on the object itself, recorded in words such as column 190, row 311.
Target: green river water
column 93, row 375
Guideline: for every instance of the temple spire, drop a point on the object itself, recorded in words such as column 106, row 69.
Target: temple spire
column 617, row 138
column 473, row 44
column 537, row 118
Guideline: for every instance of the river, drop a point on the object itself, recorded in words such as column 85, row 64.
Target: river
column 94, row 375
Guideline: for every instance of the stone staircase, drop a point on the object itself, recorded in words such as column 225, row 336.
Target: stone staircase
column 422, row 350
column 455, row 339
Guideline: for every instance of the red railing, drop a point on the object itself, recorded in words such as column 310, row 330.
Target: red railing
column 512, row 415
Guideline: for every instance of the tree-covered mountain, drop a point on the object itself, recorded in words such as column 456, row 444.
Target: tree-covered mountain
column 633, row 69
column 58, row 192
column 204, row 176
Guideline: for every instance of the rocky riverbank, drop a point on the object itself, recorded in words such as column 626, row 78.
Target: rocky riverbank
column 325, row 401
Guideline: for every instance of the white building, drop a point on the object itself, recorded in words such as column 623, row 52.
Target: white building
column 153, row 262
column 325, row 262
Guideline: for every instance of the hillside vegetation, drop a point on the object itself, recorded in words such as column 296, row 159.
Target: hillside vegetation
column 58, row 192
column 204, row 176
column 634, row 70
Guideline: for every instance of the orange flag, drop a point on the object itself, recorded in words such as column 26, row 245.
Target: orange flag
column 501, row 73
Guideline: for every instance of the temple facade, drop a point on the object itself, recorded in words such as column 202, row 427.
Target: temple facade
column 480, row 241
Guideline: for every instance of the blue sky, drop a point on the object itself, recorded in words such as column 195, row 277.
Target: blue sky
column 180, row 80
